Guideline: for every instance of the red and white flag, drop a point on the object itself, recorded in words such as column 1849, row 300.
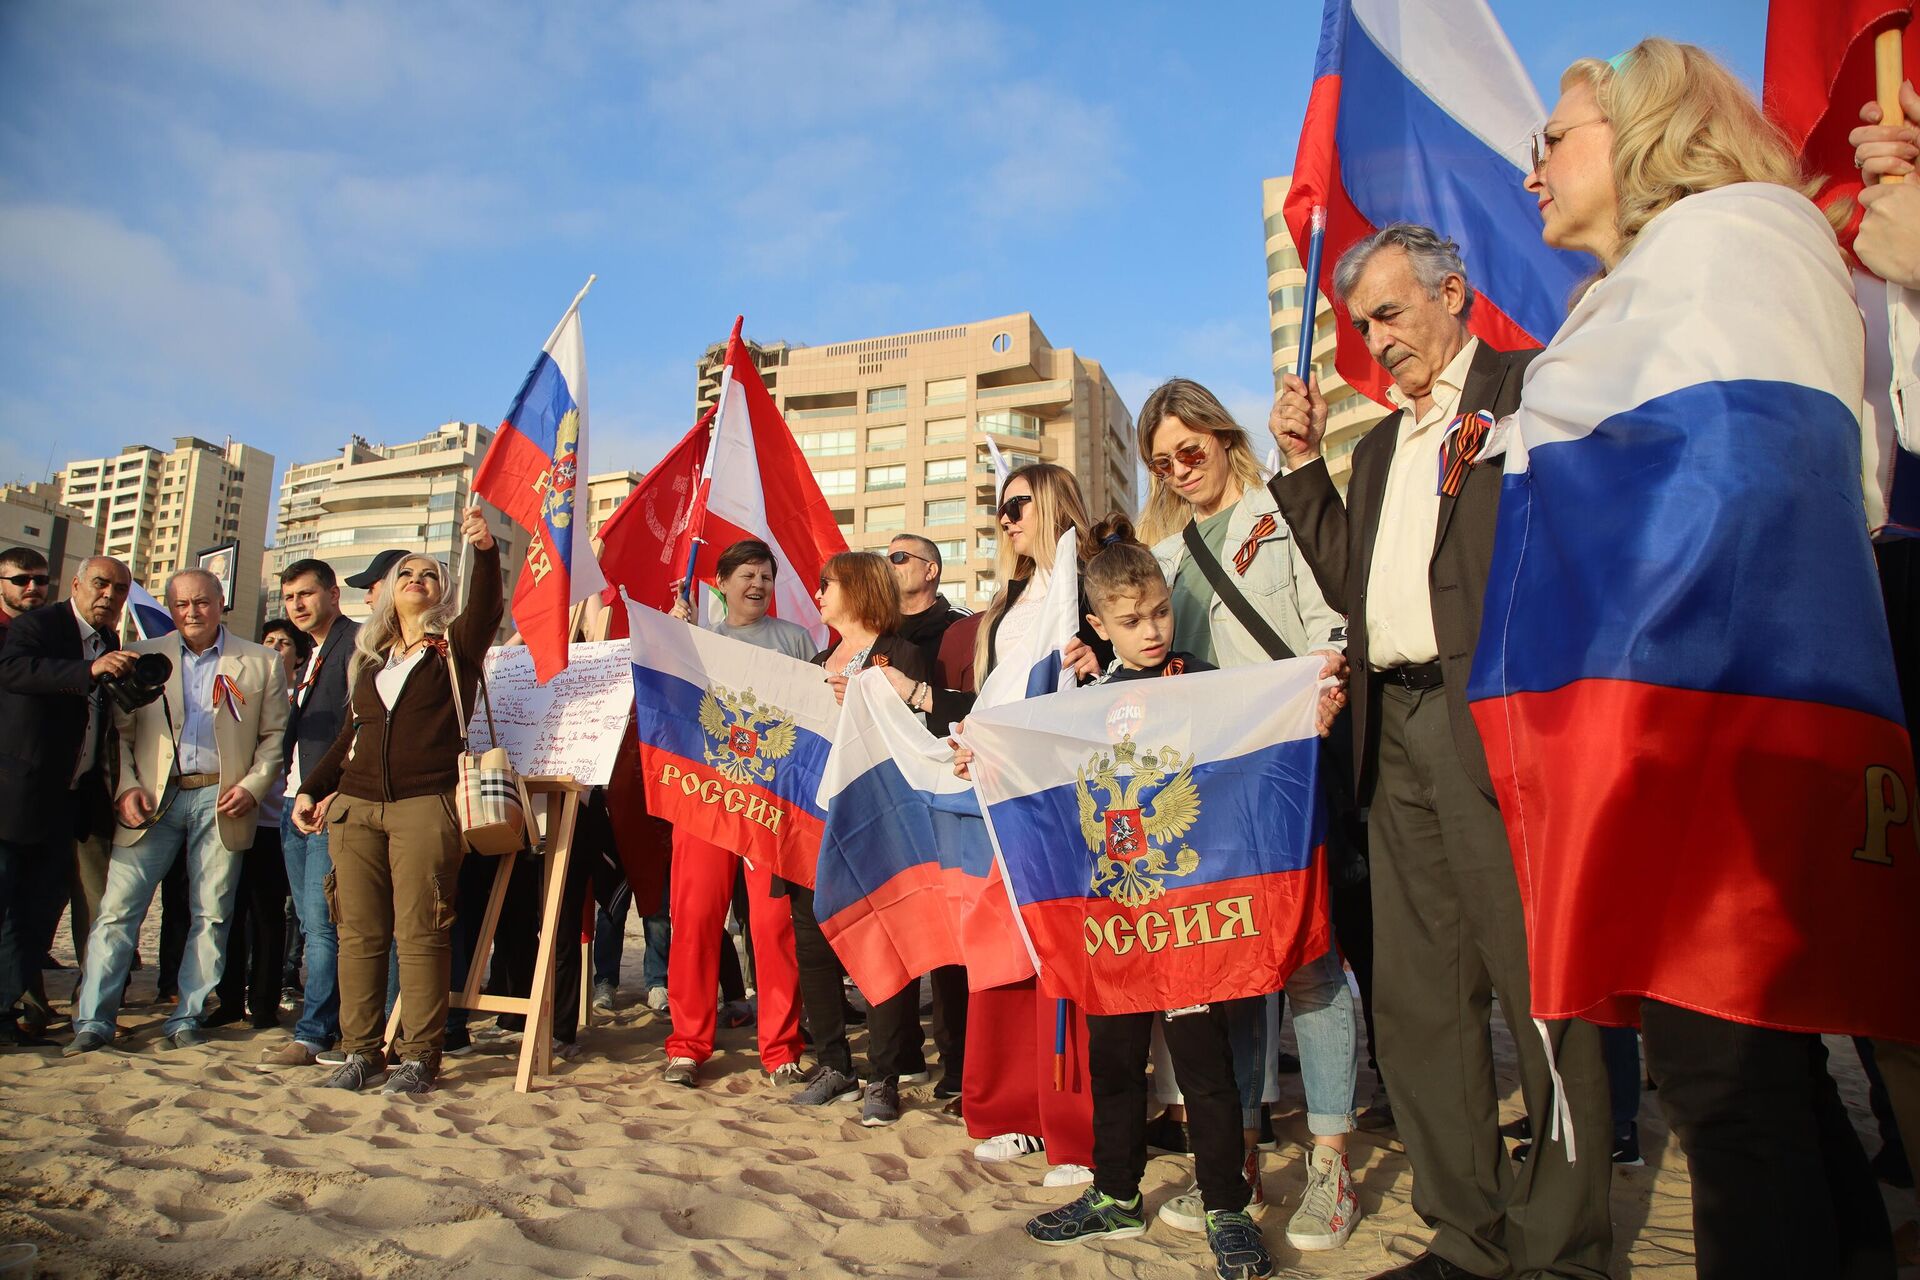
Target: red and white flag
column 643, row 544
column 758, row 485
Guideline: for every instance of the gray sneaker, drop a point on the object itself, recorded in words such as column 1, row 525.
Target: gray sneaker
column 1328, row 1206
column 184, row 1038
column 880, row 1103
column 330, row 1057
column 681, row 1071
column 413, row 1076
column 826, row 1086
column 603, row 994
column 357, row 1072
column 84, row 1042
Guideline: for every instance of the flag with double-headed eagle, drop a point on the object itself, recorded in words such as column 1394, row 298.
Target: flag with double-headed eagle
column 536, row 473
column 1164, row 840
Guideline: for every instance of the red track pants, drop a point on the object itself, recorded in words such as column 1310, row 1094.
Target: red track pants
column 701, row 887
column 1008, row 1087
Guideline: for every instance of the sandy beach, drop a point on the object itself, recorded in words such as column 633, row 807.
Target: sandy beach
column 136, row 1162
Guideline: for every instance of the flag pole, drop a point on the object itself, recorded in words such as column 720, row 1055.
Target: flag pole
column 1303, row 364
column 698, row 522
column 1059, row 1046
column 1887, row 74
column 571, row 308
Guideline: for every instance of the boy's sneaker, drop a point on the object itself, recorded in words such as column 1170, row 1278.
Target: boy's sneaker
column 356, row 1072
column 1008, row 1146
column 1238, row 1251
column 1328, row 1206
column 1095, row 1215
column 416, row 1075
column 681, row 1071
column 826, row 1086
column 1626, row 1147
column 881, row 1103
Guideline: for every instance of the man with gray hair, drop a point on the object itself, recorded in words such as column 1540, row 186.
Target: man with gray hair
column 1406, row 557
column 194, row 764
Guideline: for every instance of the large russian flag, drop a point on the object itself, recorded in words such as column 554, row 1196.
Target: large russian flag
column 1420, row 112
column 758, row 485
column 905, row 856
column 733, row 740
column 907, row 878
column 534, row 470
column 1162, row 838
column 1684, row 680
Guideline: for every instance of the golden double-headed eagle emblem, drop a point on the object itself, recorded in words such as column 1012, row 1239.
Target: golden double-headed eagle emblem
column 556, row 504
column 1132, row 865
column 745, row 735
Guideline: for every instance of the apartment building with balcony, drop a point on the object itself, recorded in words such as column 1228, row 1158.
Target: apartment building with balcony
column 33, row 516
column 157, row 511
column 896, row 430
column 1350, row 415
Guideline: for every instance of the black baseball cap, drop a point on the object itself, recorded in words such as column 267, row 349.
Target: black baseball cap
column 379, row 567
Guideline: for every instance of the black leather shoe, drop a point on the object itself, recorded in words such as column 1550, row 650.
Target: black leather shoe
column 1428, row 1266
column 224, row 1016
column 14, row 1037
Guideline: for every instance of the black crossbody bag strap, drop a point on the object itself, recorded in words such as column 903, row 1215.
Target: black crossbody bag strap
column 1231, row 595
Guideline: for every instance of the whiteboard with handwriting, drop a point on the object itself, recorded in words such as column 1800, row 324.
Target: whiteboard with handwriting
column 572, row 725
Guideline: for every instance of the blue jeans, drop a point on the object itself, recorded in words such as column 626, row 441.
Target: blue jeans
column 187, row 824
column 1323, row 1030
column 609, row 937
column 308, row 866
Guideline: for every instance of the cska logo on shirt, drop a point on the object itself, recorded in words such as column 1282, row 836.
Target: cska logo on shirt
column 1144, row 811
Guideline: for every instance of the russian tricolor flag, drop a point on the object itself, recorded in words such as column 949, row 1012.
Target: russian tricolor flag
column 536, row 472
column 1420, row 112
column 150, row 617
column 1684, row 681
column 733, row 740
column 1163, row 839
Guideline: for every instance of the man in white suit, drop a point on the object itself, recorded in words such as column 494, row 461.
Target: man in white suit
column 193, row 767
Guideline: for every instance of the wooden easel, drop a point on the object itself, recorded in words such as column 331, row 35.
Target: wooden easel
column 563, row 798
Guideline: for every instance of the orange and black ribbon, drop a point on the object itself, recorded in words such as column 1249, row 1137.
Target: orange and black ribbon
column 1465, row 439
column 224, row 687
column 1243, row 558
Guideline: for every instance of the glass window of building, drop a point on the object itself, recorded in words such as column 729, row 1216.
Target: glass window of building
column 886, row 439
column 946, row 430
column 886, row 478
column 1011, row 422
column 827, row 444
column 886, row 399
column 956, row 593
column 952, row 550
column 886, row 519
column 839, row 480
column 946, row 390
column 946, row 511
column 946, row 470
column 986, row 546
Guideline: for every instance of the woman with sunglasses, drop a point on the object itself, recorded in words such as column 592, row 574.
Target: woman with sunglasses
column 859, row 599
column 1210, row 519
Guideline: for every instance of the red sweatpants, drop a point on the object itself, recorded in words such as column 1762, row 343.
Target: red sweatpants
column 702, row 885
column 1008, row 1086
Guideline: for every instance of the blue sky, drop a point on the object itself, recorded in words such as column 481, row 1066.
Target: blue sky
column 292, row 222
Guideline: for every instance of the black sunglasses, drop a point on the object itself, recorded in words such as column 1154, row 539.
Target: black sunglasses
column 1013, row 508
column 824, row 580
column 29, row 579
column 901, row 557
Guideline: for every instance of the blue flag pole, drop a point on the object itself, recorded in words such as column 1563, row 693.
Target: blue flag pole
column 1316, row 237
column 1059, row 1046
column 686, row 583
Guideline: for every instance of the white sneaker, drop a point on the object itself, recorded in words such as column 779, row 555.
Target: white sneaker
column 1067, row 1175
column 657, row 999
column 1185, row 1212
column 790, row 1073
column 681, row 1071
column 1008, row 1146
column 1328, row 1207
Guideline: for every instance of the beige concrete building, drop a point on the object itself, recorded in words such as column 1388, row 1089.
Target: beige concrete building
column 768, row 359
column 605, row 492
column 368, row 497
column 1350, row 415
column 896, row 429
column 159, row 511
column 33, row 516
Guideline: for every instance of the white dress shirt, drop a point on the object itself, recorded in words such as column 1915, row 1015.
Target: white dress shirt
column 199, row 753
column 1399, row 600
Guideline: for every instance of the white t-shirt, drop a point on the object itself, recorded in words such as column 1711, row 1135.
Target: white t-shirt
column 393, row 677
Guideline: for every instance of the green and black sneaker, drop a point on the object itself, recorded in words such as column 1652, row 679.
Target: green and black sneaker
column 1238, row 1251
column 1094, row 1216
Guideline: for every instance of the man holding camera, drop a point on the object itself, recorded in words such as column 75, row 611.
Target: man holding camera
column 195, row 762
column 52, row 757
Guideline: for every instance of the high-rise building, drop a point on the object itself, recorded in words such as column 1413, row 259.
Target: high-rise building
column 159, row 511
column 896, row 430
column 605, row 492
column 768, row 359
column 368, row 497
column 1350, row 415
column 33, row 516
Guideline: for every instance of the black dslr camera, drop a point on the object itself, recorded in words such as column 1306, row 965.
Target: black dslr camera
column 147, row 681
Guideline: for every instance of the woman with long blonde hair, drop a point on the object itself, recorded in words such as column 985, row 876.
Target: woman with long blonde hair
column 384, row 794
column 1691, row 533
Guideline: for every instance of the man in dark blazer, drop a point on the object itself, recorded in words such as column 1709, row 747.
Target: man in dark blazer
column 1406, row 558
column 53, row 764
column 311, row 595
